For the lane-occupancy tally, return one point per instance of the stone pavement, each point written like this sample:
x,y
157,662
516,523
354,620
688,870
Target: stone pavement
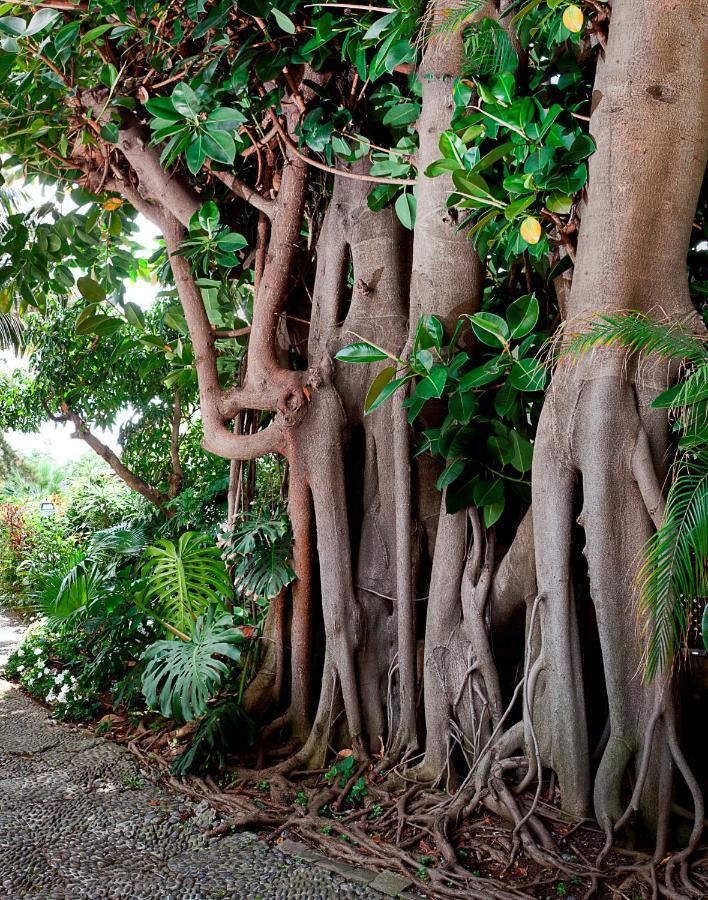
x,y
78,819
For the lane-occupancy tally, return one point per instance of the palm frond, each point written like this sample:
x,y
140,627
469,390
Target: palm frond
x,y
641,334
127,540
675,570
71,588
11,332
488,50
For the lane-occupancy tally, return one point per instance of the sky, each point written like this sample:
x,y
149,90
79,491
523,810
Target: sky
x,y
55,440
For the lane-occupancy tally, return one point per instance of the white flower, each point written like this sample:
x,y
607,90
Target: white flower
x,y
150,622
59,678
20,669
37,651
46,671
50,698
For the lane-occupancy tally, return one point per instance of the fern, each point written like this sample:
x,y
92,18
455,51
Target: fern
x,y
182,579
180,677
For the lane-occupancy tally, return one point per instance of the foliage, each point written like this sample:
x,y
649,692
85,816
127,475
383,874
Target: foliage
x,y
674,573
224,728
491,399
31,545
183,579
180,677
258,552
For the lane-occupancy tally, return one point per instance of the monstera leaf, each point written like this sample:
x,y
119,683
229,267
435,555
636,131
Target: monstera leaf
x,y
180,677
182,579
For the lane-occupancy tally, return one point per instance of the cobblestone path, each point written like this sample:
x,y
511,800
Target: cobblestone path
x,y
77,820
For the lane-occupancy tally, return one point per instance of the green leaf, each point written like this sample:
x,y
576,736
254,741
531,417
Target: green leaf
x,y
401,114
66,36
41,19
429,333
185,101
180,677
195,154
360,352
224,119
13,26
135,315
380,26
441,167
101,325
377,385
163,108
522,452
208,216
405,209
184,578
109,132
95,33
450,473
490,329
219,146
384,393
559,203
90,289
528,375
285,23
583,146
482,375
522,315
493,156
433,384
503,87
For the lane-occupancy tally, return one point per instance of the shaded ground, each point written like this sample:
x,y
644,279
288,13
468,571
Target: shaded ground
x,y
79,819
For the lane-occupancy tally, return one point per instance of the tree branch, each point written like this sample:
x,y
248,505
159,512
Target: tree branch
x,y
177,476
156,184
135,482
244,192
217,437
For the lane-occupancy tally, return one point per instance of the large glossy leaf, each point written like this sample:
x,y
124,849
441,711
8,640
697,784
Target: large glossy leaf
x,y
183,579
180,677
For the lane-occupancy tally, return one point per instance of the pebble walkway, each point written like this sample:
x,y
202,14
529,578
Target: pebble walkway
x,y
79,820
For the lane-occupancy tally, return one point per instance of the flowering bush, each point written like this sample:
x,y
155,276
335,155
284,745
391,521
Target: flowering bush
x,y
74,671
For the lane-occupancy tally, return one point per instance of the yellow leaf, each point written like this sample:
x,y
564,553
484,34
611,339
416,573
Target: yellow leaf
x,y
112,204
531,230
573,18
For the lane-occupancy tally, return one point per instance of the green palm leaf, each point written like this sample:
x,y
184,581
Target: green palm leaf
x,y
641,334
182,579
182,676
675,571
